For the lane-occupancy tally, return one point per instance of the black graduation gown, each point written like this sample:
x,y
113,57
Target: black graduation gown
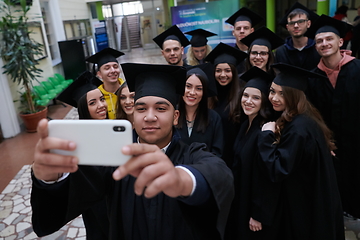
x,y
241,67
185,64
136,217
212,137
230,128
308,58
250,188
96,221
245,150
302,164
340,107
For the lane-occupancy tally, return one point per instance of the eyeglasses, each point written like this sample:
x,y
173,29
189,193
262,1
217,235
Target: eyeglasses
x,y
299,22
261,54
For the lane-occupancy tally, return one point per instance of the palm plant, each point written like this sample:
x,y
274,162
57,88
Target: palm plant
x,y
19,50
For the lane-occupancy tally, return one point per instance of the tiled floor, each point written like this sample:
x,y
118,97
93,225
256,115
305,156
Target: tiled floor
x,y
16,155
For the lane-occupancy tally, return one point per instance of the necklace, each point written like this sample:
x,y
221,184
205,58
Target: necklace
x,y
190,124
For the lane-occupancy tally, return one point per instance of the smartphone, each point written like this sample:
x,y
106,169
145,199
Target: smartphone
x,y
98,142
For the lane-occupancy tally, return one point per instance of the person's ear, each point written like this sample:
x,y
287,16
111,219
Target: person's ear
x,y
308,23
252,30
341,42
176,117
98,74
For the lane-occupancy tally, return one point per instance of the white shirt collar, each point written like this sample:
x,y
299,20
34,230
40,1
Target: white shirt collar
x,y
163,149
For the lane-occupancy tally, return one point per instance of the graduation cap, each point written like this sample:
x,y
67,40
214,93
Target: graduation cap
x,y
298,6
257,78
328,24
165,81
206,70
292,76
104,56
244,14
199,37
224,53
84,83
173,33
264,37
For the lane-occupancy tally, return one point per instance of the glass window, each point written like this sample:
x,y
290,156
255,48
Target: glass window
x,y
77,29
49,29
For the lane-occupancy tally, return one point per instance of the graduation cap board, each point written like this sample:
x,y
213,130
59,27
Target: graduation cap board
x,y
104,56
300,8
295,77
84,83
328,24
199,37
165,81
257,78
206,70
244,14
173,33
224,53
263,37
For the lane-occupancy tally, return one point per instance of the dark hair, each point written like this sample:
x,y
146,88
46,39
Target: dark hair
x,y
342,10
297,12
202,116
265,109
83,108
296,103
120,113
270,61
233,96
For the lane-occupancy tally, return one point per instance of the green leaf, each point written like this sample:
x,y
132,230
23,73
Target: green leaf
x,y
18,50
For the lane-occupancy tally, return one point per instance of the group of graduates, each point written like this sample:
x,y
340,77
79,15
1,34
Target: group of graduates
x,y
229,143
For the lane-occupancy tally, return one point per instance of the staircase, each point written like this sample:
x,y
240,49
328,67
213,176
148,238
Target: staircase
x,y
134,32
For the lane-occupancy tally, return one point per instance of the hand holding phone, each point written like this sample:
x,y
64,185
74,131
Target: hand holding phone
x,y
98,142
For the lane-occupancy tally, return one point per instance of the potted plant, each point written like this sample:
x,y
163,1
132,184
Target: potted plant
x,y
19,50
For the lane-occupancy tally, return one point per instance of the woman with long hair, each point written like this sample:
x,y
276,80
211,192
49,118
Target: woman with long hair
x,y
296,154
261,43
256,107
125,103
197,123
225,59
92,105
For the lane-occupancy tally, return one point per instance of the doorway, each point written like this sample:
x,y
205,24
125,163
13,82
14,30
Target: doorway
x,y
147,30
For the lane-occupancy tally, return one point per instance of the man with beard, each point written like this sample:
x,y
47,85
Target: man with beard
x,y
337,99
298,50
172,43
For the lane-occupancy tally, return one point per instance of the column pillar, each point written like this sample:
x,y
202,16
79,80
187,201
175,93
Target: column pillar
x,y
270,15
99,12
8,116
322,7
332,7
